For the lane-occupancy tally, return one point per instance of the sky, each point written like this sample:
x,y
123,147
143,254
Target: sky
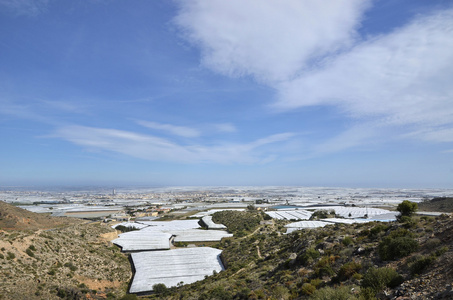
x,y
353,93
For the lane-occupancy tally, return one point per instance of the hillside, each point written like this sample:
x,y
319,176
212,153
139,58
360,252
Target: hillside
x,y
411,259
72,261
442,204
16,218
362,261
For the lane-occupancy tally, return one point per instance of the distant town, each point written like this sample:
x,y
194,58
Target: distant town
x,y
122,204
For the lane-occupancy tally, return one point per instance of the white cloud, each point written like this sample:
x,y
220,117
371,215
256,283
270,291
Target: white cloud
x,y
172,129
439,135
157,149
310,52
270,40
405,75
400,79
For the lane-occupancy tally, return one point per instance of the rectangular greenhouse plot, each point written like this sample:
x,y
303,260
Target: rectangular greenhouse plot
x,y
345,221
141,240
307,224
299,214
173,267
207,220
170,225
355,212
199,235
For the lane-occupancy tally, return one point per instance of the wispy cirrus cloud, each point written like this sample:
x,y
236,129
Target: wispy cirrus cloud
x,y
25,7
189,132
159,149
172,129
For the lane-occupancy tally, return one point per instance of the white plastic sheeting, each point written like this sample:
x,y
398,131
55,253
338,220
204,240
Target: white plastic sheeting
x,y
355,212
140,240
173,267
155,235
200,235
207,220
350,212
345,221
170,225
304,225
299,214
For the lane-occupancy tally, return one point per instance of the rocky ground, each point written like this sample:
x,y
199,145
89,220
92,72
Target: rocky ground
x,y
73,261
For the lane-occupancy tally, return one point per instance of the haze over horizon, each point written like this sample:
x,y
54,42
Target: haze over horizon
x,y
227,93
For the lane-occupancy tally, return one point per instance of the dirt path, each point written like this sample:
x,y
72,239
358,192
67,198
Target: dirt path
x,y
258,251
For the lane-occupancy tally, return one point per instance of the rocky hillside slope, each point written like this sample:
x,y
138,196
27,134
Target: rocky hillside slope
x,y
73,260
400,260
15,218
442,204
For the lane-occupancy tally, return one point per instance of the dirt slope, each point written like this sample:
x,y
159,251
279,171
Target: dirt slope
x,y
16,218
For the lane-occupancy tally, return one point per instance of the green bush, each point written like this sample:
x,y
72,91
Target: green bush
x,y
29,252
322,214
393,248
377,229
123,228
432,243
347,270
309,255
379,278
160,289
408,222
323,267
418,266
441,251
347,241
10,255
308,289
278,292
70,266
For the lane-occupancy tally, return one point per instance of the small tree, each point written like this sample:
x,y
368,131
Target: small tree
x,y
407,208
160,289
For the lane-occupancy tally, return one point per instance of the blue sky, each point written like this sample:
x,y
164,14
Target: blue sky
x,y
349,93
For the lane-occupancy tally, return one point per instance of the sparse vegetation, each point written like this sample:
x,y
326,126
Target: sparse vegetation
x,y
397,244
238,222
335,262
123,228
379,278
